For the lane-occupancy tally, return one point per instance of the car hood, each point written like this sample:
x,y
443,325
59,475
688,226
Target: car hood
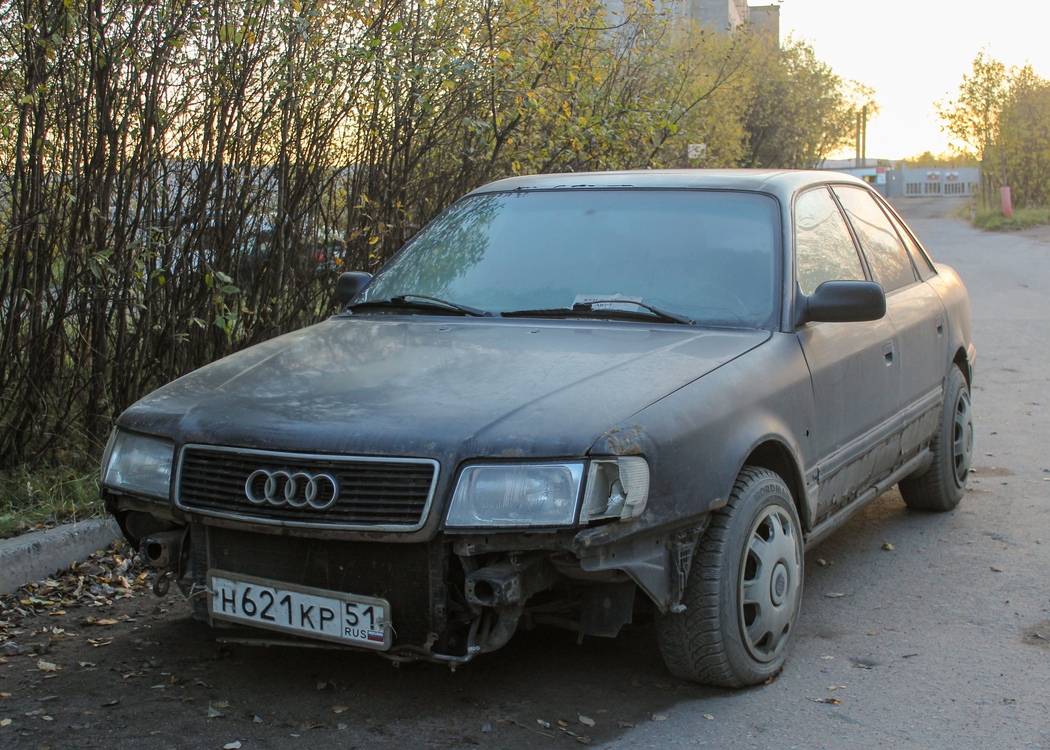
x,y
435,387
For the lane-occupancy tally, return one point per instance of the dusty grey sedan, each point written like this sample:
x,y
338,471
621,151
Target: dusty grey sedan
x,y
571,400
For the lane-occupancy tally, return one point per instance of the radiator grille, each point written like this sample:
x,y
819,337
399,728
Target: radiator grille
x,y
373,494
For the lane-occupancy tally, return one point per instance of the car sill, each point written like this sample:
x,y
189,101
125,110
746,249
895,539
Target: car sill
x,y
826,527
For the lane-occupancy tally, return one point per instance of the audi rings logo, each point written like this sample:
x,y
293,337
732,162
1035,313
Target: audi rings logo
x,y
294,489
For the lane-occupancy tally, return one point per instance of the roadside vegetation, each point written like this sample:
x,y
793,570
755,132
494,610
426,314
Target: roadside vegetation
x,y
179,181
992,219
45,496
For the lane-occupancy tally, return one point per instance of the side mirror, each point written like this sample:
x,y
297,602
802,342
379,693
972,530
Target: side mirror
x,y
844,302
349,284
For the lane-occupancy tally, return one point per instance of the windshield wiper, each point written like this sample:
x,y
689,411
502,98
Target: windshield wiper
x,y
425,302
649,311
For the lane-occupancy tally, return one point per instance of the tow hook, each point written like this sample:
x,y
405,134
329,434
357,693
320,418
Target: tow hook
x,y
162,582
163,551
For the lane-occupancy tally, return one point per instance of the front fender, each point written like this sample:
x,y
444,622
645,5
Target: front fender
x,y
697,439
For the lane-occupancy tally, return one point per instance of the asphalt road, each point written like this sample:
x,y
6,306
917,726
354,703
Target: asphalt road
x,y
917,631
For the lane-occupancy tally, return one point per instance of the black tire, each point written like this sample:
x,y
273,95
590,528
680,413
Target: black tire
x,y
744,589
941,486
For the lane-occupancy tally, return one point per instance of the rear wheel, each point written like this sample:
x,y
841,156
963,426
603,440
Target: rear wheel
x,y
940,487
744,589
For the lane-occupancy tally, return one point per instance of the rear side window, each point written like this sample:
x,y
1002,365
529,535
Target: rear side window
x,y
824,249
889,260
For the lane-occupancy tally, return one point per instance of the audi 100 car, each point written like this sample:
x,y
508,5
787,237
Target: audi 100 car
x,y
579,399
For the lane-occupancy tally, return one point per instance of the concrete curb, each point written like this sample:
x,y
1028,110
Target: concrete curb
x,y
39,554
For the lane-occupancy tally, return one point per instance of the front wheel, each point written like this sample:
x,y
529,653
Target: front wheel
x,y
940,487
744,590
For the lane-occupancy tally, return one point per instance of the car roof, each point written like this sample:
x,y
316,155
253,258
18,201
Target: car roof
x,y
780,182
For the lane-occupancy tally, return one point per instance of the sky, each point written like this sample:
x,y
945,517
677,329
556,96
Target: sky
x,y
914,53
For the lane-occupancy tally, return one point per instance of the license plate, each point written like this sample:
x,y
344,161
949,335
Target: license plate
x,y
328,615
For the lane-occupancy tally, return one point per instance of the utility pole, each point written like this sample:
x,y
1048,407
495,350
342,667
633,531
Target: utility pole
x,y
862,138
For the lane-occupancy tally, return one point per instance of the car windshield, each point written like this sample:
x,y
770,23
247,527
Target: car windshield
x,y
708,256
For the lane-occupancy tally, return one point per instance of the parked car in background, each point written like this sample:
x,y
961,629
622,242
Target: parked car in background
x,y
576,399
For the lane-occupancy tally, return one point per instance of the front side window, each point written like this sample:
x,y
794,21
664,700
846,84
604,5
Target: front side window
x,y
890,264
711,256
824,249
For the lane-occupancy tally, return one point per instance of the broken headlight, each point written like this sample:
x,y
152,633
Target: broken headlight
x,y
616,488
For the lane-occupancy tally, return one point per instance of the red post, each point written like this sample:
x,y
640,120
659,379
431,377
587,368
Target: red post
x,y
1008,209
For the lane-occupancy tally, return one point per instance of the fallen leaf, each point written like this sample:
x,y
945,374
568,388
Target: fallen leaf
x,y
995,569
544,724
831,701
5,722
888,546
46,666
822,562
587,721
8,695
214,713
659,717
709,717
236,745
873,632
104,622
835,594
625,725
340,709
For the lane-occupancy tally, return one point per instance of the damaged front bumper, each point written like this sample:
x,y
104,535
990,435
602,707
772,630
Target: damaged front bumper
x,y
446,599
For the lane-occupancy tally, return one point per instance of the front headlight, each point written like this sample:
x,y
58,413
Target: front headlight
x,y
138,463
495,495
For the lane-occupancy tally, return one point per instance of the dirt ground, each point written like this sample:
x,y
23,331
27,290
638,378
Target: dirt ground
x,y
139,673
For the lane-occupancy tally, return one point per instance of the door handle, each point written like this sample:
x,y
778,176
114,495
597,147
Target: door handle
x,y
887,352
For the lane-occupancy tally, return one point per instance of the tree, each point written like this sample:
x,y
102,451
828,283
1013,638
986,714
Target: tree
x,y
1024,134
972,120
798,111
